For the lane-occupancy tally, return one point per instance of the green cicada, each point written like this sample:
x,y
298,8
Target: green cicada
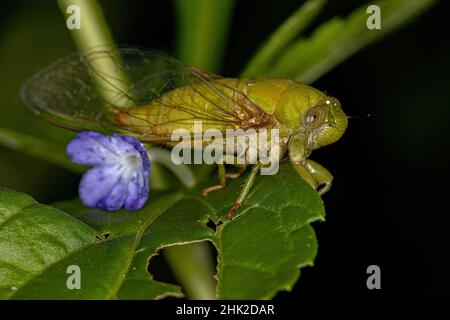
x,y
148,95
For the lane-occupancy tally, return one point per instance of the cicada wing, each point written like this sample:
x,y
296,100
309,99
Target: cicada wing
x,y
81,91
87,91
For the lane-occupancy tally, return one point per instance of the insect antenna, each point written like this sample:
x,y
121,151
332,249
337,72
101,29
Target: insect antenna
x,y
360,117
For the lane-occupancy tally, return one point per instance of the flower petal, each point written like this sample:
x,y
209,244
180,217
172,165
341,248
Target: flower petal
x,y
97,184
137,192
138,186
90,148
120,174
115,199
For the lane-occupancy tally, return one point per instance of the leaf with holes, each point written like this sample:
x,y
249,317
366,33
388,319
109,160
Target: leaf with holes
x,y
38,243
259,253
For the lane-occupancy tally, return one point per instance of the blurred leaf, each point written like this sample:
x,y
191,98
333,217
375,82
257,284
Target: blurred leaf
x,y
337,39
285,33
37,147
202,31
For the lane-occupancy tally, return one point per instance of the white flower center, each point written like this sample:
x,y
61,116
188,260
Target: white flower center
x,y
133,161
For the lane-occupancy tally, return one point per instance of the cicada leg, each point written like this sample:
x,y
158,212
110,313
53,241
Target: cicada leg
x,y
235,175
315,175
223,175
245,190
234,161
222,181
322,176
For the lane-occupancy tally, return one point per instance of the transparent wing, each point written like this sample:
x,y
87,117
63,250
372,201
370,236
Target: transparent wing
x,y
87,92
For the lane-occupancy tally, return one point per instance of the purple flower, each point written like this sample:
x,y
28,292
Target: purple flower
x,y
121,168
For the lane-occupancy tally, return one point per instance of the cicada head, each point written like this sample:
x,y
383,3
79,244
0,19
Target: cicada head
x,y
324,123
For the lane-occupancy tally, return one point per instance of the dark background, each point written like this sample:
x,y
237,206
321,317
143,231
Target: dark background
x,y
388,204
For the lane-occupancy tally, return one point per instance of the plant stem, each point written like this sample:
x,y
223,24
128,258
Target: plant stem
x,y
193,267
93,35
181,171
335,40
281,37
37,147
202,28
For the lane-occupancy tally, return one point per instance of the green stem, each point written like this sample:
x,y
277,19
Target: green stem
x,y
37,147
181,171
94,34
335,40
193,267
281,37
202,28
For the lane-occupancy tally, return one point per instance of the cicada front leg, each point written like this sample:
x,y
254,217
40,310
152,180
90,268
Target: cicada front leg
x,y
315,175
322,176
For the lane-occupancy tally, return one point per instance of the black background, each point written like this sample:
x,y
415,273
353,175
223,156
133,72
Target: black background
x,y
388,204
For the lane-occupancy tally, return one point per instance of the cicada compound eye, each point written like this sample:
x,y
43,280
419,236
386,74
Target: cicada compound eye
x,y
314,117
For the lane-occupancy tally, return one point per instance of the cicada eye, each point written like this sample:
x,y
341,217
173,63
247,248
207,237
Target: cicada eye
x,y
314,117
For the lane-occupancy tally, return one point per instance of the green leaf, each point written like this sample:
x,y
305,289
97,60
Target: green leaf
x,y
33,238
38,243
278,40
259,253
337,39
202,30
